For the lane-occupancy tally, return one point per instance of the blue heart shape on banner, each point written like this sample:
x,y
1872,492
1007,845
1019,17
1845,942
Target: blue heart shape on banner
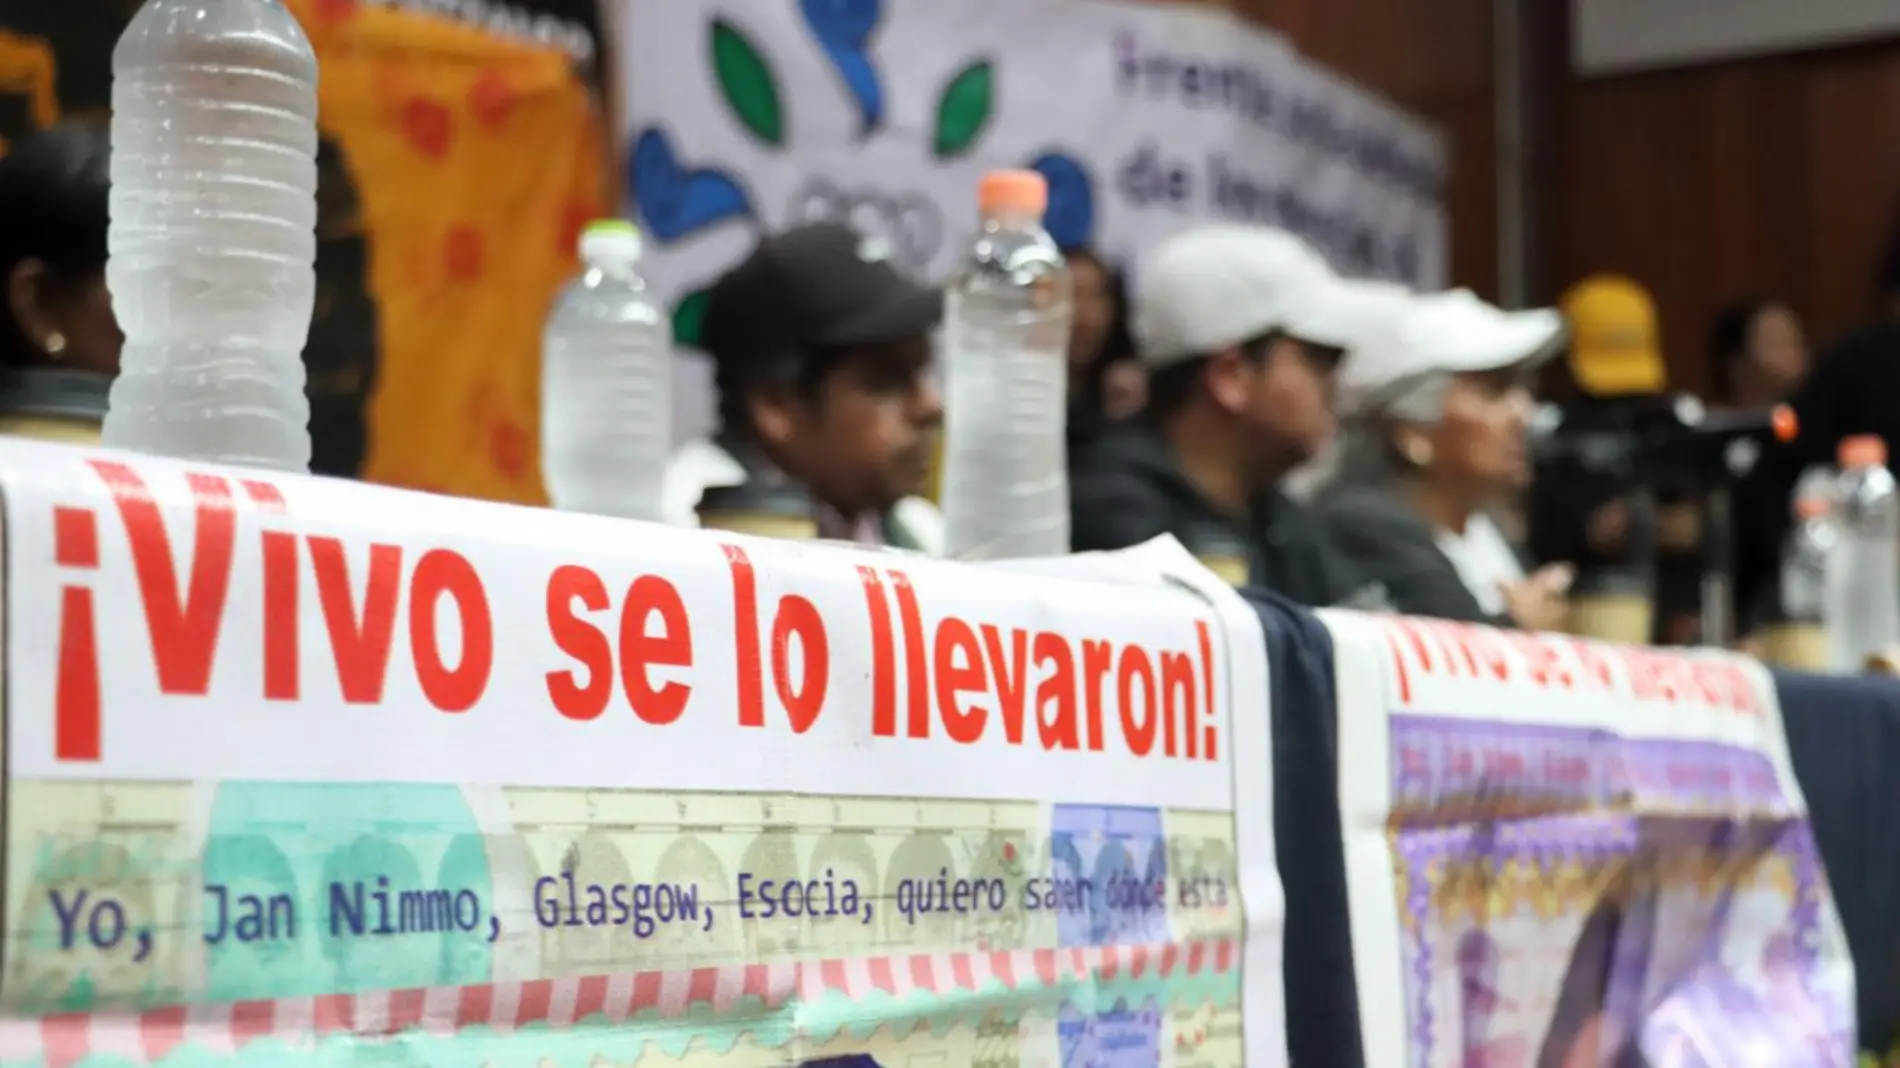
x,y
847,22
843,29
1070,217
675,201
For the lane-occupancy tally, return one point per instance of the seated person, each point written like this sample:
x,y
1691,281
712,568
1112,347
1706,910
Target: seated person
x,y
1849,390
1240,329
1760,357
1438,402
59,341
1106,382
821,353
1646,546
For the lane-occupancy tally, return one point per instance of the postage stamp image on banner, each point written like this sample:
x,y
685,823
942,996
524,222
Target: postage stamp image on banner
x,y
1069,928
1569,896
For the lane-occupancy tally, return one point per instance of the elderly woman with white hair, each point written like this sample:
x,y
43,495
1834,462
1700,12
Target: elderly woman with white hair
x,y
1437,396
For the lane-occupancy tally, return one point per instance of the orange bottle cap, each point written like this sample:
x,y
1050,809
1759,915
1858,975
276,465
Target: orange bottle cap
x,y
1786,426
1024,191
1863,450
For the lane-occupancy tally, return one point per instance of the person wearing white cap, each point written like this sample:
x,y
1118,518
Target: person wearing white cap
x,y
1369,304
1438,404
1241,329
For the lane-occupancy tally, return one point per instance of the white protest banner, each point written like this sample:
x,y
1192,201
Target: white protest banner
x,y
749,116
1565,853
300,767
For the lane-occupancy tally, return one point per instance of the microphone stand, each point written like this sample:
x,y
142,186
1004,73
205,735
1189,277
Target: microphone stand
x,y
1718,568
1638,444
1614,599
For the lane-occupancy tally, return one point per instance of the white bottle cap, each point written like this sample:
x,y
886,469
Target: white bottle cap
x,y
611,240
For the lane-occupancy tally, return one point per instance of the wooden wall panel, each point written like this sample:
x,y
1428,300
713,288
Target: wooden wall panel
x,y
1434,58
1852,115
1775,177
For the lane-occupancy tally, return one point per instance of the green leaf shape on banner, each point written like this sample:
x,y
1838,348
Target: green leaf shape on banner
x,y
964,108
747,83
689,316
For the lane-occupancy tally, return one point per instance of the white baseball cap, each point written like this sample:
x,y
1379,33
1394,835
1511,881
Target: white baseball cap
x,y
1443,333
1207,288
1366,308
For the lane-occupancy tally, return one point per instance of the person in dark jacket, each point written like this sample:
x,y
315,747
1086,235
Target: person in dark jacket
x,y
1106,382
1241,329
1850,390
59,341
1439,403
1760,356
828,410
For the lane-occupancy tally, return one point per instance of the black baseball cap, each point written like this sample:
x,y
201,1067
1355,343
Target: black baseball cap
x,y
815,287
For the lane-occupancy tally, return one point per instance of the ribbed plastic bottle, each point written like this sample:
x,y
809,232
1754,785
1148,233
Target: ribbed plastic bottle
x,y
213,234
606,387
1804,557
1863,569
1006,334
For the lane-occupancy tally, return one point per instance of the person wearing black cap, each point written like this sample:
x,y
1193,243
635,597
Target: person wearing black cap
x,y
828,412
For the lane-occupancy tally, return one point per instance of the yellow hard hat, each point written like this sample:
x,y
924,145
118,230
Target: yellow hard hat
x,y
1614,347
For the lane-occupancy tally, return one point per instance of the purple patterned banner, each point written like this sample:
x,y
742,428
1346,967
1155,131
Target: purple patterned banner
x,y
1574,898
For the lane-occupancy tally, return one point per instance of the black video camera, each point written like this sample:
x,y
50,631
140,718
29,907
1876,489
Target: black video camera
x,y
1655,440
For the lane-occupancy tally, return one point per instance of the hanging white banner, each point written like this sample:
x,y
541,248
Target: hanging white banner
x,y
1561,852
748,116
308,771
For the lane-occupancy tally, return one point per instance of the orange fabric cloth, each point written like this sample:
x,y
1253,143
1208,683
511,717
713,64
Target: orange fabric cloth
x,y
477,160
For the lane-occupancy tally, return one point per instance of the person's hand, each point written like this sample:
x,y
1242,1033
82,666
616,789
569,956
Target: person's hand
x,y
1607,528
1124,389
1541,601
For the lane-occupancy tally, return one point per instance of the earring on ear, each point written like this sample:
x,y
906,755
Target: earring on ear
x,y
1419,452
55,345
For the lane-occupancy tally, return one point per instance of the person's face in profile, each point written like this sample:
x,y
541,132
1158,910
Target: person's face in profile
x,y
1478,444
1777,354
865,438
1289,403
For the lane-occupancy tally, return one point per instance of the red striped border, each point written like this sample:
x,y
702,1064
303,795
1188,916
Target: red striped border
x,y
64,1040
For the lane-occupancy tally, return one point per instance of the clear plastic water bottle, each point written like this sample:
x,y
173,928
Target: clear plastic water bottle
x,y
1006,337
1863,569
213,234
1810,544
606,393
